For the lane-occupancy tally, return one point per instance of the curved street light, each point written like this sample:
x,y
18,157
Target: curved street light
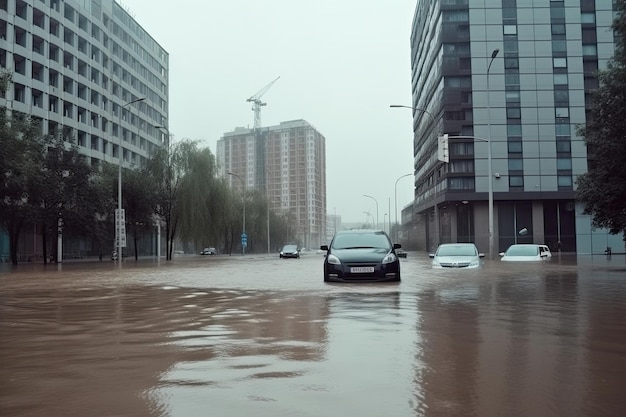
x,y
243,184
396,202
491,254
119,220
369,196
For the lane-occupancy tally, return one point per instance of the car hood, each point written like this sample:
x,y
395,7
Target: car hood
x,y
360,255
521,258
455,259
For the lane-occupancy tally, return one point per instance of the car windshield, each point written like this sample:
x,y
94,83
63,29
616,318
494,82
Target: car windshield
x,y
457,250
522,250
361,240
290,248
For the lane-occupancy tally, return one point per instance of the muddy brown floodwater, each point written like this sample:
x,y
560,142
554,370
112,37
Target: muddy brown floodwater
x,y
263,336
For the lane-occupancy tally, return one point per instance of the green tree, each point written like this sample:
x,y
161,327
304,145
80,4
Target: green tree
x,y
21,154
168,168
199,200
139,201
62,190
602,190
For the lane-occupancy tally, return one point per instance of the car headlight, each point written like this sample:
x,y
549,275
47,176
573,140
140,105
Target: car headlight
x,y
332,259
436,264
474,263
391,257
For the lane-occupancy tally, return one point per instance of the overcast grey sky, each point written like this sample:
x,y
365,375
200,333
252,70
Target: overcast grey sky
x,y
341,64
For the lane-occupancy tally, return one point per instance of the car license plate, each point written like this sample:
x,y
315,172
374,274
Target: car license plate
x,y
362,269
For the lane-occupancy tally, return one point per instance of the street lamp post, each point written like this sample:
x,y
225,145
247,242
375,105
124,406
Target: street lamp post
x,y
493,56
119,219
157,219
243,184
369,196
396,201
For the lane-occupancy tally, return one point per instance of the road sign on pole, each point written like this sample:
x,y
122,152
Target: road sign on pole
x,y
442,148
244,240
120,228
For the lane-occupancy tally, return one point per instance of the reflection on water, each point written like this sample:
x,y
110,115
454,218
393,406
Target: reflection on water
x,y
266,337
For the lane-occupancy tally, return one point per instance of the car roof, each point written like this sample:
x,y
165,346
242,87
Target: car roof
x,y
358,231
457,244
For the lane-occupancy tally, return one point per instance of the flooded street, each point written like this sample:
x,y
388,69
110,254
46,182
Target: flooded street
x,y
263,336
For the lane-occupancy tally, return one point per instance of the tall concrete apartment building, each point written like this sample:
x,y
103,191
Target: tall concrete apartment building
x,y
524,101
88,70
288,163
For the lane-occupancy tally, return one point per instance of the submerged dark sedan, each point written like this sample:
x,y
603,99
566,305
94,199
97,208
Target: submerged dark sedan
x,y
361,255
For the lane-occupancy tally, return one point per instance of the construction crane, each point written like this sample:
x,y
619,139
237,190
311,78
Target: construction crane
x,y
257,103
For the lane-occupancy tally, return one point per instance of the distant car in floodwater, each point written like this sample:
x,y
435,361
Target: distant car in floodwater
x,y
208,251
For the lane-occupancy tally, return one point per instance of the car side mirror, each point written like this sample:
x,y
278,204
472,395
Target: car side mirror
x,y
501,254
482,255
431,255
324,247
397,246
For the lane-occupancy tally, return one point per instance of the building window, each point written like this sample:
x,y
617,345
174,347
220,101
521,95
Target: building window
x,y
465,165
509,29
514,130
560,79
466,97
461,148
559,62
561,97
563,146
516,164
564,164
564,180
558,29
588,18
513,113
562,129
511,63
515,146
512,96
455,15
590,50
458,82
456,49
461,183
559,46
511,78
561,112
516,181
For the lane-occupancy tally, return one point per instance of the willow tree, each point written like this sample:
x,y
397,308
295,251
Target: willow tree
x,y
199,202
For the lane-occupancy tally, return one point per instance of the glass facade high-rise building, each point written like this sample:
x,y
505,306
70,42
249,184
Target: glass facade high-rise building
x,y
77,66
287,163
88,71
525,104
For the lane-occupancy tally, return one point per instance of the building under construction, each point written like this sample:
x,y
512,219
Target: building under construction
x,y
288,163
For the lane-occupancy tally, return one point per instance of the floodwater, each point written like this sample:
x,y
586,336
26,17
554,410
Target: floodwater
x,y
263,336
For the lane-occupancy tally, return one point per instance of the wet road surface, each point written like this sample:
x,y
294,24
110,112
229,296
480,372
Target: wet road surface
x,y
263,336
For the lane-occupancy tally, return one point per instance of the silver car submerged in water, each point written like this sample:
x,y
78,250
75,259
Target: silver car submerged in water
x,y
457,255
